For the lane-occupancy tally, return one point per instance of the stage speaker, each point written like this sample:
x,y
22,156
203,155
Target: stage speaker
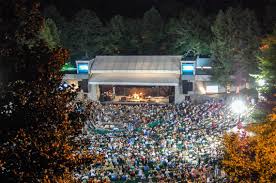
x,y
83,85
171,99
190,86
185,87
101,99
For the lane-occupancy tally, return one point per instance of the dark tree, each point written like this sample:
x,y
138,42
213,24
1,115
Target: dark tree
x,y
122,36
115,36
86,35
63,26
52,13
267,66
50,34
152,32
189,32
38,117
235,45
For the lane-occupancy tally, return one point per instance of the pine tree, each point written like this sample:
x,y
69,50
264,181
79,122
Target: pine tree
x,y
190,31
267,66
152,32
86,35
115,36
50,34
234,46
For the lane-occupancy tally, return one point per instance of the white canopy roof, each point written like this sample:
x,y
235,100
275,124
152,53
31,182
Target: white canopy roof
x,y
137,64
135,79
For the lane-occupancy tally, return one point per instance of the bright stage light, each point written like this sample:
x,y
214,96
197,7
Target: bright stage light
x,y
188,68
65,85
238,106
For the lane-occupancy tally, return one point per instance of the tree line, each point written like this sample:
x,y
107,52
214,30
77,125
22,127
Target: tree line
x,y
231,37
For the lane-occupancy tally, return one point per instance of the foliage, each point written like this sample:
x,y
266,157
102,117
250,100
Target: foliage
x,y
121,37
19,28
152,32
115,37
267,66
252,158
64,28
50,34
190,32
51,12
38,116
259,114
234,47
135,36
86,36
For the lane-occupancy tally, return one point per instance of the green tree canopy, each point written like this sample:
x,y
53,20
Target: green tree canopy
x,y
122,36
19,30
152,32
50,34
52,12
234,46
267,66
63,26
86,34
115,36
190,31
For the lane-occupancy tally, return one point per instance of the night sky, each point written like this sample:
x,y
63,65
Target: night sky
x,y
135,8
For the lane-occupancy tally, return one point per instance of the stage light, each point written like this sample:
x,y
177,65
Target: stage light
x,y
238,107
65,85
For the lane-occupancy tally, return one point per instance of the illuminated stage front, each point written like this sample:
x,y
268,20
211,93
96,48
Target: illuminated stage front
x,y
136,94
135,87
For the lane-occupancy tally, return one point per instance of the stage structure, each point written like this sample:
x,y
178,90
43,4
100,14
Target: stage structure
x,y
146,79
134,78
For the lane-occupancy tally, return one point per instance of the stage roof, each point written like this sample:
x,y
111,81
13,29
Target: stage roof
x,y
135,79
137,64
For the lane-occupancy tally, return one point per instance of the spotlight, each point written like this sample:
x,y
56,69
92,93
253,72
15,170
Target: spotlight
x,y
238,107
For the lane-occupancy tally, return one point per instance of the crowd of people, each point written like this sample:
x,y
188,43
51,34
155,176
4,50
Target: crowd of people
x,y
156,143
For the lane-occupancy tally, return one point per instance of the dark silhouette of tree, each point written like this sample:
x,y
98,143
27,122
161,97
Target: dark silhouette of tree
x,y
38,116
152,32
50,34
116,36
122,36
86,35
190,31
235,45
267,66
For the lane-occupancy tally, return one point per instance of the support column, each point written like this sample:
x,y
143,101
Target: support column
x,y
158,91
113,92
93,92
176,94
